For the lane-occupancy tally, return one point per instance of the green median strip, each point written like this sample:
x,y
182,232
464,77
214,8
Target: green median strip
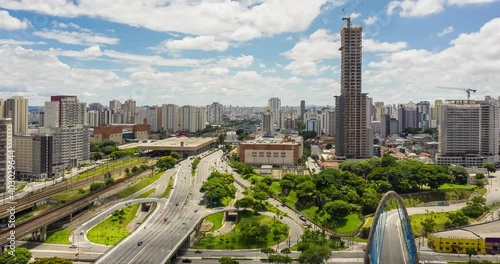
x,y
146,194
114,228
141,185
166,193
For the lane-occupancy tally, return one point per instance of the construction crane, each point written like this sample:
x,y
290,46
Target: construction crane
x,y
467,90
348,17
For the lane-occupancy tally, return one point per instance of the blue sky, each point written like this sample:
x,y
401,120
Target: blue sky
x,y
243,52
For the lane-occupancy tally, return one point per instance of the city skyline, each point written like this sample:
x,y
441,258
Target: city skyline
x,y
410,47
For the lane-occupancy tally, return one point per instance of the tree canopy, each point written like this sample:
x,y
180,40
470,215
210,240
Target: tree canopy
x,y
18,256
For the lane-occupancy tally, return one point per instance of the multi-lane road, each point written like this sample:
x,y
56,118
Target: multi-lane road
x,y
184,209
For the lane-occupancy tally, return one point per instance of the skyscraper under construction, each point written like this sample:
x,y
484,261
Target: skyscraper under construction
x,y
352,137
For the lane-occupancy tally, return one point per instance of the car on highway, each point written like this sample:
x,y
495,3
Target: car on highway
x,y
176,204
198,251
187,260
81,233
165,219
196,211
139,243
72,246
303,218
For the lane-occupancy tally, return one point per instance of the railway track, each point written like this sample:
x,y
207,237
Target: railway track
x,y
49,217
37,197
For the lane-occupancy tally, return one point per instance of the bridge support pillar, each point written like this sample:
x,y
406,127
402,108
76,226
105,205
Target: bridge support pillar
x,y
34,235
39,234
43,234
70,217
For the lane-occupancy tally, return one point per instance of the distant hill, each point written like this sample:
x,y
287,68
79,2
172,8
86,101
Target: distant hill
x,y
35,108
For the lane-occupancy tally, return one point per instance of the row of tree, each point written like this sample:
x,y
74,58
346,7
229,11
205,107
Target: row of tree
x,y
109,149
194,165
23,256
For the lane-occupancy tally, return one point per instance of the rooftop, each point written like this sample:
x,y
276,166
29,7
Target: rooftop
x,y
178,143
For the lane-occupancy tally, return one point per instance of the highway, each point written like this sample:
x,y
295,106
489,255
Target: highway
x,y
159,237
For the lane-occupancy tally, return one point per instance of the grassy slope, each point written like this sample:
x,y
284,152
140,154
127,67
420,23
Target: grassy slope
x,y
216,220
59,237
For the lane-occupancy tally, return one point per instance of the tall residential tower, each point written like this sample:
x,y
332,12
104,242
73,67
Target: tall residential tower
x,y
352,138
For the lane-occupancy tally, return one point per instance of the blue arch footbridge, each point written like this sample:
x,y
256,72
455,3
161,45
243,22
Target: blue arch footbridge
x,y
391,237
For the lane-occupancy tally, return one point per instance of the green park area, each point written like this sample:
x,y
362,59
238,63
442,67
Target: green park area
x,y
349,224
338,198
439,218
216,220
59,237
437,221
252,230
114,228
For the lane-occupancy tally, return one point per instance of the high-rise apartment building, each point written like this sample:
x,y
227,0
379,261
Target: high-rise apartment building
x,y
424,114
215,113
129,108
170,118
71,146
379,110
33,157
407,116
490,129
96,107
267,120
115,105
66,122
2,108
352,139
302,109
459,134
94,118
275,105
192,118
5,148
64,111
155,117
16,108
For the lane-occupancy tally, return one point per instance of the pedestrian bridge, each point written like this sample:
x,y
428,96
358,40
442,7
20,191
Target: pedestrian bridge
x,y
391,237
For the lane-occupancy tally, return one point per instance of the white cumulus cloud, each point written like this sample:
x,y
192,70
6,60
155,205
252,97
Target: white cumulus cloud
x,y
8,22
445,31
75,38
205,43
